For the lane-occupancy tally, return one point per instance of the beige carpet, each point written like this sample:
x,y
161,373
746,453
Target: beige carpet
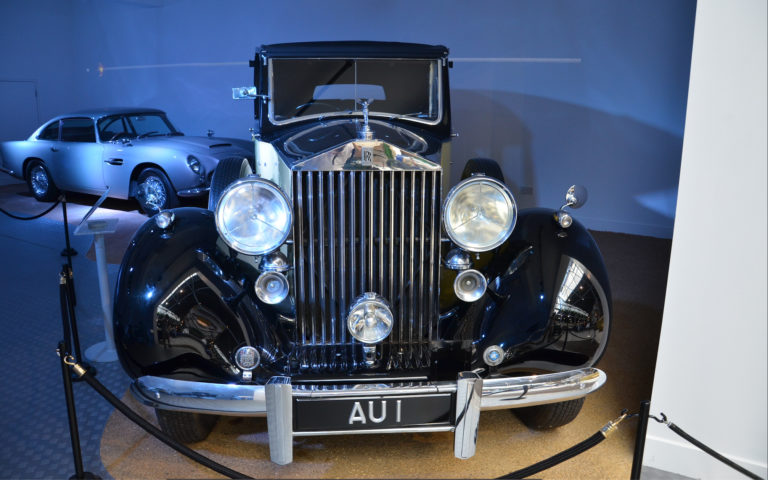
x,y
638,269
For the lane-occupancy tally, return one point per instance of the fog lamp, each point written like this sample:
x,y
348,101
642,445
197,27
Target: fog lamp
x,y
469,285
271,287
370,318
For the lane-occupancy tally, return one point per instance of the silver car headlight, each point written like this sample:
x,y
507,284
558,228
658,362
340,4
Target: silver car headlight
x,y
194,164
253,216
480,213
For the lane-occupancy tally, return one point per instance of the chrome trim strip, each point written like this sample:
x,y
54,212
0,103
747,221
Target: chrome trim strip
x,y
311,262
189,192
5,170
321,249
249,400
438,428
271,105
332,248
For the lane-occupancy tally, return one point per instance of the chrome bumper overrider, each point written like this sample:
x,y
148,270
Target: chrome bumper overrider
x,y
275,400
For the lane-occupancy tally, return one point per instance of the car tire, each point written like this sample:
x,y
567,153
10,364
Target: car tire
x,y
553,415
227,171
486,166
185,427
40,183
154,192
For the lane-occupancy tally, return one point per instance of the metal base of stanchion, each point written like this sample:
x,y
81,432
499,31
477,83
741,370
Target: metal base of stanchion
x,y
68,252
86,476
101,352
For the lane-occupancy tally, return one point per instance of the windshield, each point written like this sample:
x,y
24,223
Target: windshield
x,y
402,88
136,125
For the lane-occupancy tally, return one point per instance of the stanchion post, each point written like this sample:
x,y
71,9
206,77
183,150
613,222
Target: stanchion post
x,y
74,434
642,428
68,252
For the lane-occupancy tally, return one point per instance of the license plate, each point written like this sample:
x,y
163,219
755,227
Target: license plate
x,y
371,413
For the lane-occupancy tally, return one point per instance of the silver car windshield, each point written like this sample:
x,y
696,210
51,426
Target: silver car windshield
x,y
305,88
135,125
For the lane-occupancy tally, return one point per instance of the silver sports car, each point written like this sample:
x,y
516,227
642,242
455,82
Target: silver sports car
x,y
135,152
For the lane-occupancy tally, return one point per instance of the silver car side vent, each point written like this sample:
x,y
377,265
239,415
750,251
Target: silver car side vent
x,y
219,145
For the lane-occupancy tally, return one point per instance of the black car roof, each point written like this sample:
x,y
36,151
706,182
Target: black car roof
x,y
365,49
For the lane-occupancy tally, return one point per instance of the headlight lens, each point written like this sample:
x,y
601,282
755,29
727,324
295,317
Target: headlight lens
x,y
480,213
193,163
253,216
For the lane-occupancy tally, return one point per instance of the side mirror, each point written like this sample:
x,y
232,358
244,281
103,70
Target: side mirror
x,y
576,196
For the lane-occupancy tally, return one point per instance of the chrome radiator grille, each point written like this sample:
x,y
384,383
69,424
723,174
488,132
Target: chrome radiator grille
x,y
365,231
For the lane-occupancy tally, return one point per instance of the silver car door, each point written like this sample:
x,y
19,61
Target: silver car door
x,y
115,135
79,163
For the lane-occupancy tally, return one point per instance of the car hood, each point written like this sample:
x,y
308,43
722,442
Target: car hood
x,y
212,146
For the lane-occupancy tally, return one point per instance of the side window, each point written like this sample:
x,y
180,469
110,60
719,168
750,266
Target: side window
x,y
77,130
51,132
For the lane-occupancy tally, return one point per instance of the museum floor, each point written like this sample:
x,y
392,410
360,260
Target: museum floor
x,y
33,427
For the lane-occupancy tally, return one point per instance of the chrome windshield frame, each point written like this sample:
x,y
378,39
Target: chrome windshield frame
x,y
436,77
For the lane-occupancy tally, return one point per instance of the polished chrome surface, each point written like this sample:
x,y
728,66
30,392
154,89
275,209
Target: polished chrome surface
x,y
513,392
274,262
564,219
370,320
279,419
249,400
469,285
493,355
247,358
365,231
378,155
437,81
469,392
164,219
576,196
253,216
374,431
39,179
458,259
271,287
479,213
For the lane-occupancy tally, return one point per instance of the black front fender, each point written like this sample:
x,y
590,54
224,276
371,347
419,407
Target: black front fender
x,y
548,303
181,304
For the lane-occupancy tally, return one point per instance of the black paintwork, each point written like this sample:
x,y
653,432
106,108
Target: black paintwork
x,y
524,275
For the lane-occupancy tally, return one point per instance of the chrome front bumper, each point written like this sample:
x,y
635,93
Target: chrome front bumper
x,y
275,400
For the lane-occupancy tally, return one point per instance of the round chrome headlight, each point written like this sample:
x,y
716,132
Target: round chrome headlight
x,y
370,318
480,213
253,216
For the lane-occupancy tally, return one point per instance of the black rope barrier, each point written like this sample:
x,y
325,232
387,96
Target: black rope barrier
x,y
705,448
151,429
569,453
34,217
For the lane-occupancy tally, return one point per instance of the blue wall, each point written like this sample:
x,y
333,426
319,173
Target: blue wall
x,y
608,113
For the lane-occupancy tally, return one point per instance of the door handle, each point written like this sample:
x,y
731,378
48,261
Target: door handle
x,y
114,161
54,149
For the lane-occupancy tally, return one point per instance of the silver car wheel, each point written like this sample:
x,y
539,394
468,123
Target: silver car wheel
x,y
39,180
153,191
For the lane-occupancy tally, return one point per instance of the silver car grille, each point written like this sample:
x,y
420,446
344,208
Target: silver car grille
x,y
365,231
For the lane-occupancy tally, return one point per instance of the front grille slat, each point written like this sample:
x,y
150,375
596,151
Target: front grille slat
x,y
357,232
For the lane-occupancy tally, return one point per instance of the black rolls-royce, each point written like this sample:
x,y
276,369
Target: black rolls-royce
x,y
340,284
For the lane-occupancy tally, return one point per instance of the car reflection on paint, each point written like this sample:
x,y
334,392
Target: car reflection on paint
x,y
135,152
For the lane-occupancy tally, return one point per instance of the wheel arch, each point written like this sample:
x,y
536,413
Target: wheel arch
x,y
132,182
27,161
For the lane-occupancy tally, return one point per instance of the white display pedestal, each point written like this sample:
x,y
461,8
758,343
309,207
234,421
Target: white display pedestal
x,y
102,351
